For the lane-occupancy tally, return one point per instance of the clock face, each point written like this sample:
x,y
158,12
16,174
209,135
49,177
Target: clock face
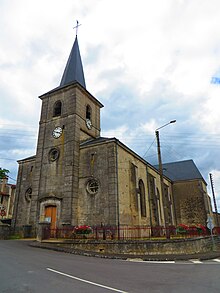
x,y
88,123
57,132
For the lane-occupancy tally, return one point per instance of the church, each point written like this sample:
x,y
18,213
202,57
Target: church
x,y
78,177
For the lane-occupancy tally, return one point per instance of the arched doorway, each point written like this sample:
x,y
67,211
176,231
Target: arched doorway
x,y
50,209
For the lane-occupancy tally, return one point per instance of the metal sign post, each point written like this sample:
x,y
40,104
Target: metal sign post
x,y
210,225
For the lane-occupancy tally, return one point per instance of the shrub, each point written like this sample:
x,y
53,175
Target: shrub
x,y
182,229
201,229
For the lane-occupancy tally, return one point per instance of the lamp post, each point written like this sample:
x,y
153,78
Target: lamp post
x,y
161,179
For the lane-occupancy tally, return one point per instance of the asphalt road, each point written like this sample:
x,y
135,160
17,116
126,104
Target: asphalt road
x,y
28,269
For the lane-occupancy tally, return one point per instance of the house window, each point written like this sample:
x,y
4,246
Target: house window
x,y
159,205
142,198
57,109
28,194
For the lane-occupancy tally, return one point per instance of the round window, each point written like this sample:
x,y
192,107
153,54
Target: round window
x,y
92,186
54,154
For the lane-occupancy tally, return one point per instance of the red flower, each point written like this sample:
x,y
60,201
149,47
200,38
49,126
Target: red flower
x,y
185,227
84,229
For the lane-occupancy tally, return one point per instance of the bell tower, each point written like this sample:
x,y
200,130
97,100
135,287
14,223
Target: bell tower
x,y
69,115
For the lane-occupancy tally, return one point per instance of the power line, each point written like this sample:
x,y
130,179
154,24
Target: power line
x,y
149,148
12,178
175,138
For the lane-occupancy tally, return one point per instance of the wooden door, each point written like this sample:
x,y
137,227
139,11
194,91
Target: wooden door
x,y
51,215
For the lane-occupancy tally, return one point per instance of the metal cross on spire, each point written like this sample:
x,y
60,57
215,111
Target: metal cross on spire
x,y
76,27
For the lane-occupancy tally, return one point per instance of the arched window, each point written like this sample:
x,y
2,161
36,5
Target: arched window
x,y
142,198
88,112
159,205
57,109
28,194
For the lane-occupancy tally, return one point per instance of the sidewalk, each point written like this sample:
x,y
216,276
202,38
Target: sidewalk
x,y
159,257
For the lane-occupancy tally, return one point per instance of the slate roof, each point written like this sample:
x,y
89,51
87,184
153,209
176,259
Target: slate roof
x,y
28,158
74,69
95,141
182,170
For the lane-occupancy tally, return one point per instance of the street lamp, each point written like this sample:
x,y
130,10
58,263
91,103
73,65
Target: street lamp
x,y
161,178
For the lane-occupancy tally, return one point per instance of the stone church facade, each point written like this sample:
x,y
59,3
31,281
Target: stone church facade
x,y
78,177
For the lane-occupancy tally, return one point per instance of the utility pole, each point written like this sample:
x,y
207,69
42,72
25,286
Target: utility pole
x,y
166,221
162,186
214,201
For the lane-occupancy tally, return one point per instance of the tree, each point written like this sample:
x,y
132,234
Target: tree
x,y
3,173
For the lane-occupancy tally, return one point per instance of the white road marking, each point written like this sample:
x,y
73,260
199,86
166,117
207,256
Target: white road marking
x,y
135,259
195,261
158,261
149,261
178,262
85,281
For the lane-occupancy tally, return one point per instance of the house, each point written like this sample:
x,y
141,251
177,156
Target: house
x,y
7,198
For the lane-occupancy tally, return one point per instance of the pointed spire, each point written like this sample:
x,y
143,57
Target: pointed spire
x,y
74,69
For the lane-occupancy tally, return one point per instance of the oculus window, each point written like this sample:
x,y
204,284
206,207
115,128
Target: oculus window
x,y
54,154
92,186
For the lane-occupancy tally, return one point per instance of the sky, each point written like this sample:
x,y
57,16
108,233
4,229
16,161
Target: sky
x,y
148,62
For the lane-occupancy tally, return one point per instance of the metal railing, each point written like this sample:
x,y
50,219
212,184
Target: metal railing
x,y
106,232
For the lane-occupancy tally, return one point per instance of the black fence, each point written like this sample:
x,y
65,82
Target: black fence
x,y
104,232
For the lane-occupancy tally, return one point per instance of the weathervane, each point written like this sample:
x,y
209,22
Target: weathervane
x,y
76,27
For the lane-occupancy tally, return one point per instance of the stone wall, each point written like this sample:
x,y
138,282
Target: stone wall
x,y
191,202
98,162
23,196
131,170
216,219
182,246
4,231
